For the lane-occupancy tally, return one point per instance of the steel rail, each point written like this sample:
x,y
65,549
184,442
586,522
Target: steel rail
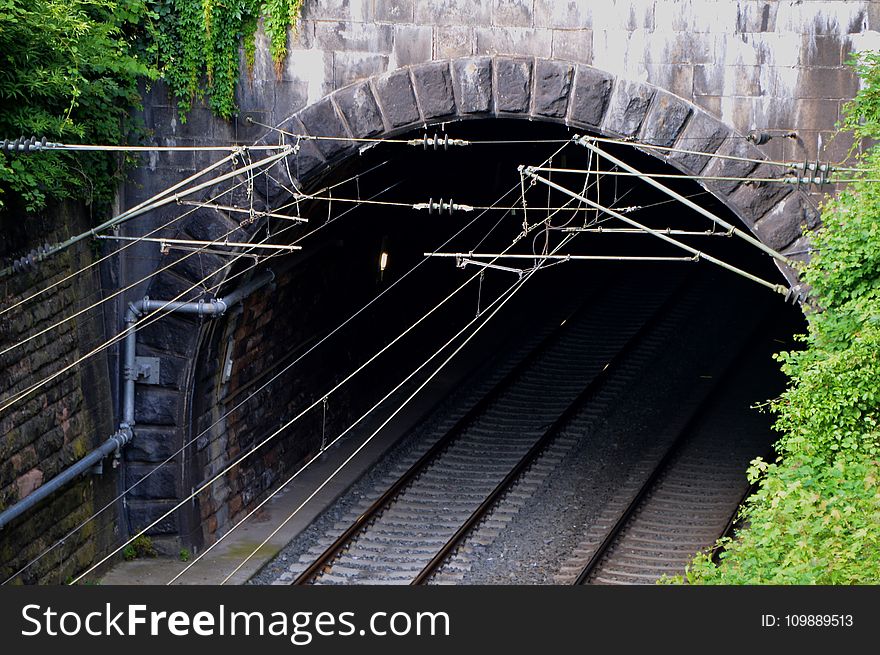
x,y
674,449
325,559
552,431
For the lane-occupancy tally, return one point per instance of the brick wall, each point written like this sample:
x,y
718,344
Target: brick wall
x,y
62,421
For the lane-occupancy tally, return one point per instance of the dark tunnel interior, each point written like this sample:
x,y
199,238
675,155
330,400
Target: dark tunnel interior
x,y
725,323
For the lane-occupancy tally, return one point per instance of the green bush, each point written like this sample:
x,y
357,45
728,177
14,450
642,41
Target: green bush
x,y
816,516
69,71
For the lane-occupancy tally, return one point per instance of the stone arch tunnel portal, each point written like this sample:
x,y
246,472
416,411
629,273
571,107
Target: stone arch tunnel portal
x,y
693,323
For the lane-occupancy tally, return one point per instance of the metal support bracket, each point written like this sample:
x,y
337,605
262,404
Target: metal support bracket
x,y
147,370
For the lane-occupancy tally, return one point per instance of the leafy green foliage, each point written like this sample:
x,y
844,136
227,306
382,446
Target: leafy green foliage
x,y
811,523
140,547
862,116
198,40
816,516
68,71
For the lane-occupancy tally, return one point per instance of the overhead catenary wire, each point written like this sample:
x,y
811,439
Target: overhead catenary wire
x,y
119,250
96,147
566,258
499,304
146,237
369,411
196,242
299,415
715,155
259,445
327,336
691,205
161,202
623,142
13,398
353,316
171,457
323,449
781,289
685,176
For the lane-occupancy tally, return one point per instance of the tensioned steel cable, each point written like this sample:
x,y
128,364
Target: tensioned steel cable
x,y
463,142
504,298
169,223
263,442
9,401
543,264
341,435
262,387
111,254
277,375
266,440
193,251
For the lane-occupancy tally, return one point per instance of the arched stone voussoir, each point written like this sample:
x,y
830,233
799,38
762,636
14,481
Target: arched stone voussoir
x,y
472,85
534,88
590,96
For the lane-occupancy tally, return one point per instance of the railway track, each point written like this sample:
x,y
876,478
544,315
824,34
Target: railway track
x,y
681,497
467,478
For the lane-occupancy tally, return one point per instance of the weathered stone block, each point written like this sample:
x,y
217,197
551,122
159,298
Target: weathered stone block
x,y
360,110
628,107
413,44
473,83
783,224
573,45
354,36
208,224
730,168
197,267
552,86
397,11
304,164
591,93
142,513
703,133
513,83
290,97
433,86
453,12
350,67
398,100
151,444
519,41
321,119
567,15
168,286
156,406
152,483
454,41
512,13
754,199
665,120
361,10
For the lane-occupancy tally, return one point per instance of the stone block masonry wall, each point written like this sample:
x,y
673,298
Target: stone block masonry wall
x,y
62,421
749,64
273,328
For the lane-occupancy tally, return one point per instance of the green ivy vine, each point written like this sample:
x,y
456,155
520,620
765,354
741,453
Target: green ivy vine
x,y
200,41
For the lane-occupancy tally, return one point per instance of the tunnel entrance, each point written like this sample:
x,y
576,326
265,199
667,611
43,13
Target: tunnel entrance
x,y
685,335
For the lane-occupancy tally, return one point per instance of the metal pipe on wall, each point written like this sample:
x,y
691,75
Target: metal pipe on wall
x,y
213,308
